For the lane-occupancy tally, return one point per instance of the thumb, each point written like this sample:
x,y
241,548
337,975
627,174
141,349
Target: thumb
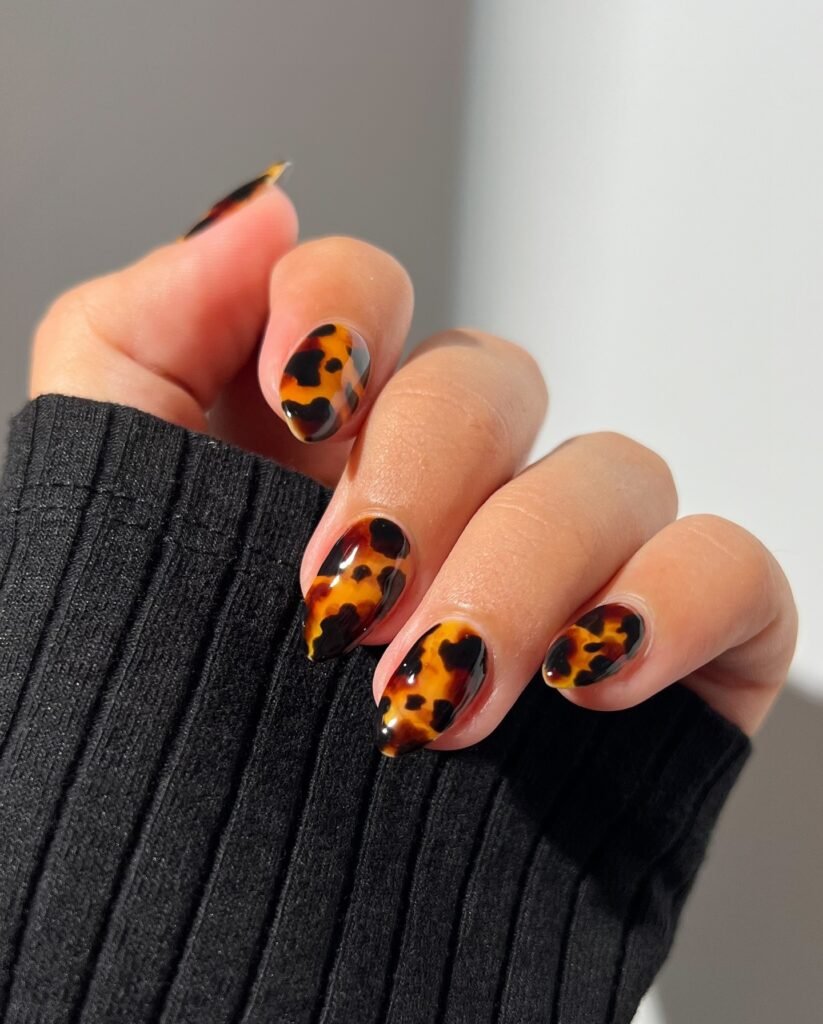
x,y
166,334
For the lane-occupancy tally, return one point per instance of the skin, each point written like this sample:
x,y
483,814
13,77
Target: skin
x,y
439,446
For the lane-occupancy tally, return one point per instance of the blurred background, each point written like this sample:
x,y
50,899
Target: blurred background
x,y
629,188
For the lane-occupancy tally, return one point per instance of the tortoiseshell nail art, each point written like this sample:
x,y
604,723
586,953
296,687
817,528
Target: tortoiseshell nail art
x,y
436,681
238,197
324,381
359,582
596,646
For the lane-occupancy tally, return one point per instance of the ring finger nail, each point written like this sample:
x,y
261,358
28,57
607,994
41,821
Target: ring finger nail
x,y
433,685
358,583
594,647
324,381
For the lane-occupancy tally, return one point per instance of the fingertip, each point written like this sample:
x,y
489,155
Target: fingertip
x,y
339,312
268,224
185,317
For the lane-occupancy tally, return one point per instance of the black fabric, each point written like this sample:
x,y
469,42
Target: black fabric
x,y
195,825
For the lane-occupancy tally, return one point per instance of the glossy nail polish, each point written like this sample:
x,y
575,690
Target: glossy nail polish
x,y
594,647
431,688
228,204
324,381
356,586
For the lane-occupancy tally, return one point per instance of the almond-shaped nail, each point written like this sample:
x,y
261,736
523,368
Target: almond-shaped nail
x,y
228,204
594,647
357,585
431,688
324,381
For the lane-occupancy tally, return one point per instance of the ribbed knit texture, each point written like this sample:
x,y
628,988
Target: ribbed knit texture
x,y
195,825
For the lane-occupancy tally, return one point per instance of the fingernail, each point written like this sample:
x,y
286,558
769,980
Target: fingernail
x,y
228,204
432,687
324,381
356,586
594,647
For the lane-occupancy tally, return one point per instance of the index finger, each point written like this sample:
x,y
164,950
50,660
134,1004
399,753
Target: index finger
x,y
339,313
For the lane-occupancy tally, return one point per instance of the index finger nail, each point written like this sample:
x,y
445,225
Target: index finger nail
x,y
358,583
324,381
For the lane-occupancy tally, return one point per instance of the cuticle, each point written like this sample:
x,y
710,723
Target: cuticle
x,y
376,513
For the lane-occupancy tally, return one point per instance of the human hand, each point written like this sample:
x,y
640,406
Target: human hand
x,y
474,570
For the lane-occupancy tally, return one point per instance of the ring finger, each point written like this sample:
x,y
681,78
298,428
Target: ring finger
x,y
535,551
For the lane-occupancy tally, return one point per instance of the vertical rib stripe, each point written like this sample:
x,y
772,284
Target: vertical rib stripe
x,y
90,1004
17,911
587,879
626,991
204,826
279,638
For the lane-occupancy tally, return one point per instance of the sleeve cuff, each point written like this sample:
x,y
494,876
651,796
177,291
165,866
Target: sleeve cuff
x,y
200,822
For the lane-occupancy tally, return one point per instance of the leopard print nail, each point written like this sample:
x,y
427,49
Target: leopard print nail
x,y
228,204
358,583
596,646
434,684
324,381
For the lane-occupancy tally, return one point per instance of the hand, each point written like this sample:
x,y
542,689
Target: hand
x,y
474,570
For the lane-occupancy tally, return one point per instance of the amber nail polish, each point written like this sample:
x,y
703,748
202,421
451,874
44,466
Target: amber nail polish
x,y
594,647
357,585
228,204
431,688
324,381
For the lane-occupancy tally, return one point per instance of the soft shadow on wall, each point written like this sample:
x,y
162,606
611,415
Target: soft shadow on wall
x,y
122,123
748,950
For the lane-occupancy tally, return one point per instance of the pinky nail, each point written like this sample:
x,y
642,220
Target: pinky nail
x,y
431,688
228,204
595,647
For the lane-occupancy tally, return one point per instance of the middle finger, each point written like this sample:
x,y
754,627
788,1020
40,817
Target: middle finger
x,y
537,549
449,428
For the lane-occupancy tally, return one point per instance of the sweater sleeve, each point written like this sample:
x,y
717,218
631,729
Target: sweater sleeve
x,y
195,825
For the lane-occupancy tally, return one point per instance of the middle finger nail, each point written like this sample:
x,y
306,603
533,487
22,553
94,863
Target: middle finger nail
x,y
358,583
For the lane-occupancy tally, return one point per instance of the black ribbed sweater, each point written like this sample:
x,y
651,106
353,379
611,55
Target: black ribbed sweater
x,y
195,825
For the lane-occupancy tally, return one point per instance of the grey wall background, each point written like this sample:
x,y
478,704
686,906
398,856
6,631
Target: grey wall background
x,y
630,188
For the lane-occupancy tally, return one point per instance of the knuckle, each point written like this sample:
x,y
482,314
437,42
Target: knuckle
x,y
513,354
510,352
516,360
627,451
497,384
75,312
63,310
732,537
660,470
356,255
419,400
71,345
541,519
759,575
64,319
756,567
